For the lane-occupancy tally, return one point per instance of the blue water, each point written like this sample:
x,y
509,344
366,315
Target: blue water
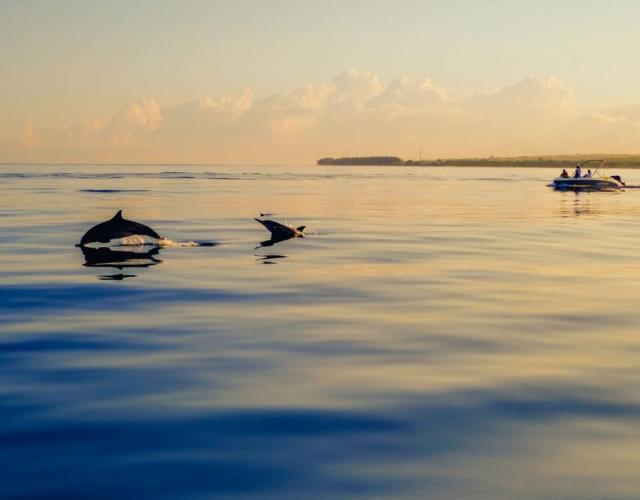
x,y
460,333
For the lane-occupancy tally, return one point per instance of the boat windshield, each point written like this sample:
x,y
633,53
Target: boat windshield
x,y
599,165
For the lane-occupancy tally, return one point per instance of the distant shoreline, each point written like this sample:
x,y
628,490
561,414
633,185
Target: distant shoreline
x,y
564,161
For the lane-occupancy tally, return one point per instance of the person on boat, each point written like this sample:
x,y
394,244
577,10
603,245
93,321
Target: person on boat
x,y
578,173
588,174
564,174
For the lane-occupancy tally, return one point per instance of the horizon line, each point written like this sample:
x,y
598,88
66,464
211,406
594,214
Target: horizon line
x,y
314,162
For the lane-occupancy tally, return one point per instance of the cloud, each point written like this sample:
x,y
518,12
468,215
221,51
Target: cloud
x,y
129,126
206,118
410,94
286,113
628,114
538,96
352,90
29,137
353,114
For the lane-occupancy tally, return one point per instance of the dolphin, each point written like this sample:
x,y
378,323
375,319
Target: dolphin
x,y
116,227
280,232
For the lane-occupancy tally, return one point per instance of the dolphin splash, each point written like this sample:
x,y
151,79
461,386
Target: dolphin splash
x,y
116,227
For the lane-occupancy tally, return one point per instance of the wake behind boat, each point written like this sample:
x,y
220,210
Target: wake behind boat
x,y
588,181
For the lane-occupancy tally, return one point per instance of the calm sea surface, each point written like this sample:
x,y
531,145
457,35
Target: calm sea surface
x,y
446,333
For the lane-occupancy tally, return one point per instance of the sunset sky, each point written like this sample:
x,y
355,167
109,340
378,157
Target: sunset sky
x,y
292,81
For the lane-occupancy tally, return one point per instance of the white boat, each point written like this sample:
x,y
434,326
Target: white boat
x,y
597,181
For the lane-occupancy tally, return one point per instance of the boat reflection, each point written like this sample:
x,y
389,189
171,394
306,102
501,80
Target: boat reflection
x,y
120,258
589,204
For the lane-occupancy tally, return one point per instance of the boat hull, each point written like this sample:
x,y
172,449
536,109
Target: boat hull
x,y
605,183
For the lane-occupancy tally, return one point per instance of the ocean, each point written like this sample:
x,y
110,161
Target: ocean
x,y
445,333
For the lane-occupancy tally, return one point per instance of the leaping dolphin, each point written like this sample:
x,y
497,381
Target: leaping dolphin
x,y
280,232
116,227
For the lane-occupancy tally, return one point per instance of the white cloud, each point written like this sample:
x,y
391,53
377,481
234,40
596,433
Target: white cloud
x,y
352,89
410,94
204,119
352,114
130,126
536,96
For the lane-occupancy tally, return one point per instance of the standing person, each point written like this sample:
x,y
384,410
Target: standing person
x,y
578,173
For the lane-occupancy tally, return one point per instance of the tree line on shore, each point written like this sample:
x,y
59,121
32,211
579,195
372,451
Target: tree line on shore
x,y
557,161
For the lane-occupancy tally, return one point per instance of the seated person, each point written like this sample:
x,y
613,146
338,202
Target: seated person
x,y
588,174
564,174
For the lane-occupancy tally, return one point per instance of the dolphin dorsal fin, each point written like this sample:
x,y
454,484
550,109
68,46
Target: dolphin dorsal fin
x,y
301,228
118,215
